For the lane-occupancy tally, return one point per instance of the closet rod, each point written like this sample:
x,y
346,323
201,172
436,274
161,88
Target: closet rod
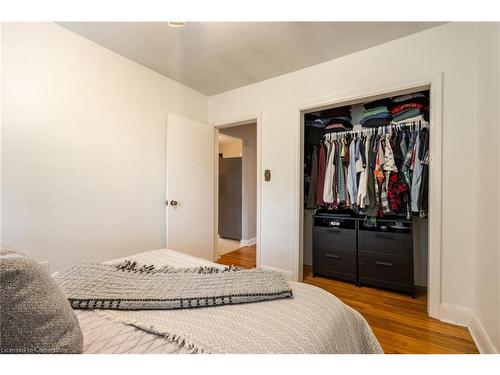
x,y
420,124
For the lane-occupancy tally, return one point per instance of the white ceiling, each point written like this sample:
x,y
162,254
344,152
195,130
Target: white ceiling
x,y
213,57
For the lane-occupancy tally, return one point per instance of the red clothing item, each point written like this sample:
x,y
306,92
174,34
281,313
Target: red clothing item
x,y
403,107
321,175
395,191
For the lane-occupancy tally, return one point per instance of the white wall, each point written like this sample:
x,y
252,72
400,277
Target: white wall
x,y
83,146
230,147
486,303
248,135
448,49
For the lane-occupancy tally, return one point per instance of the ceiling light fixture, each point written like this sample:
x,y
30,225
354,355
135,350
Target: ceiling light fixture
x,y
176,23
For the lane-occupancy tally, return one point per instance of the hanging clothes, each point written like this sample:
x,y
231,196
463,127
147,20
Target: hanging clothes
x,y
403,144
334,181
340,173
397,150
375,172
371,185
417,175
352,186
311,196
328,196
425,160
395,192
362,170
321,174
407,170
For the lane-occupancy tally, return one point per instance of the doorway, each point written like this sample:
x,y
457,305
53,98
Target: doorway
x,y
230,194
236,188
430,238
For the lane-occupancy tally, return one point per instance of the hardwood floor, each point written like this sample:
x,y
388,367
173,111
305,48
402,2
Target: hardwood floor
x,y
399,322
243,257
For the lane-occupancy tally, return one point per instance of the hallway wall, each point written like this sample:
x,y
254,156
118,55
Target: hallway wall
x,y
248,134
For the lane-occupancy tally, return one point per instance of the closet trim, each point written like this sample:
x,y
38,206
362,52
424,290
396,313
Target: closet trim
x,y
434,83
255,118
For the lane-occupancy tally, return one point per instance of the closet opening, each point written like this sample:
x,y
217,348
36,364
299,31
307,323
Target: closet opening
x,y
236,182
366,172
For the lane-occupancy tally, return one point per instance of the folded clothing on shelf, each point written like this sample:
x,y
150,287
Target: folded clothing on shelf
x,y
406,114
337,127
406,107
409,98
376,116
376,122
410,119
321,119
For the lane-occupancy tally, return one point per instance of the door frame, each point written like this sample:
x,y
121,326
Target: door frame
x,y
229,123
434,83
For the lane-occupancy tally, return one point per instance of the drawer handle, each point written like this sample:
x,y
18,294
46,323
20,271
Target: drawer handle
x,y
336,231
384,264
332,256
386,236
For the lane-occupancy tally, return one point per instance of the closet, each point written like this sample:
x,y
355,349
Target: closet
x,y
366,168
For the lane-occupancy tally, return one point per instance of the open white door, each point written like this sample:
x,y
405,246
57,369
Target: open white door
x,y
190,187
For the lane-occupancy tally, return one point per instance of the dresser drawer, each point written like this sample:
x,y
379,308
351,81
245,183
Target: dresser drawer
x,y
334,264
393,272
335,222
325,239
379,242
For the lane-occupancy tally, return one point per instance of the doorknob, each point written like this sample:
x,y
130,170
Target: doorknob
x,y
173,203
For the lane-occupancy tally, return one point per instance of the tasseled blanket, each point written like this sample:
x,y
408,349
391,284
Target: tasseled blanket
x,y
131,286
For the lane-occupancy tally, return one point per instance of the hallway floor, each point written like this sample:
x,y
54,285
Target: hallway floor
x,y
243,257
226,245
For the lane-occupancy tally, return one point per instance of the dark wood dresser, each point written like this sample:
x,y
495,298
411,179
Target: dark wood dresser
x,y
334,247
381,256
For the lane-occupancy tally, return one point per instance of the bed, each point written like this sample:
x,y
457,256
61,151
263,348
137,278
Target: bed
x,y
313,321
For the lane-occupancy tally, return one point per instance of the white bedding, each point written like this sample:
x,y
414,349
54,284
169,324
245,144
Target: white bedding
x,y
313,321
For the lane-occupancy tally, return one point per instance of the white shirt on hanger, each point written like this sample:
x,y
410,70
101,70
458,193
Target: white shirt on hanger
x,y
329,173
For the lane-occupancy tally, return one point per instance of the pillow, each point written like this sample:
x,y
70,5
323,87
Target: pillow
x,y
35,317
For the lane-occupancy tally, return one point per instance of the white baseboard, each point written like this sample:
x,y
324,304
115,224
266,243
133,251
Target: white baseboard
x,y
465,317
455,314
287,274
480,337
250,242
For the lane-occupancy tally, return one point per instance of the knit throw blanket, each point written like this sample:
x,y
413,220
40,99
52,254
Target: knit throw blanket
x,y
313,321
130,286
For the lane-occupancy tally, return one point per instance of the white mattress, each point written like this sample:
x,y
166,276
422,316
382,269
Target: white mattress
x,y
102,335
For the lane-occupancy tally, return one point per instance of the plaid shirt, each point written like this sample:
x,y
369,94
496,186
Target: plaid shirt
x,y
380,181
377,195
396,191
384,199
